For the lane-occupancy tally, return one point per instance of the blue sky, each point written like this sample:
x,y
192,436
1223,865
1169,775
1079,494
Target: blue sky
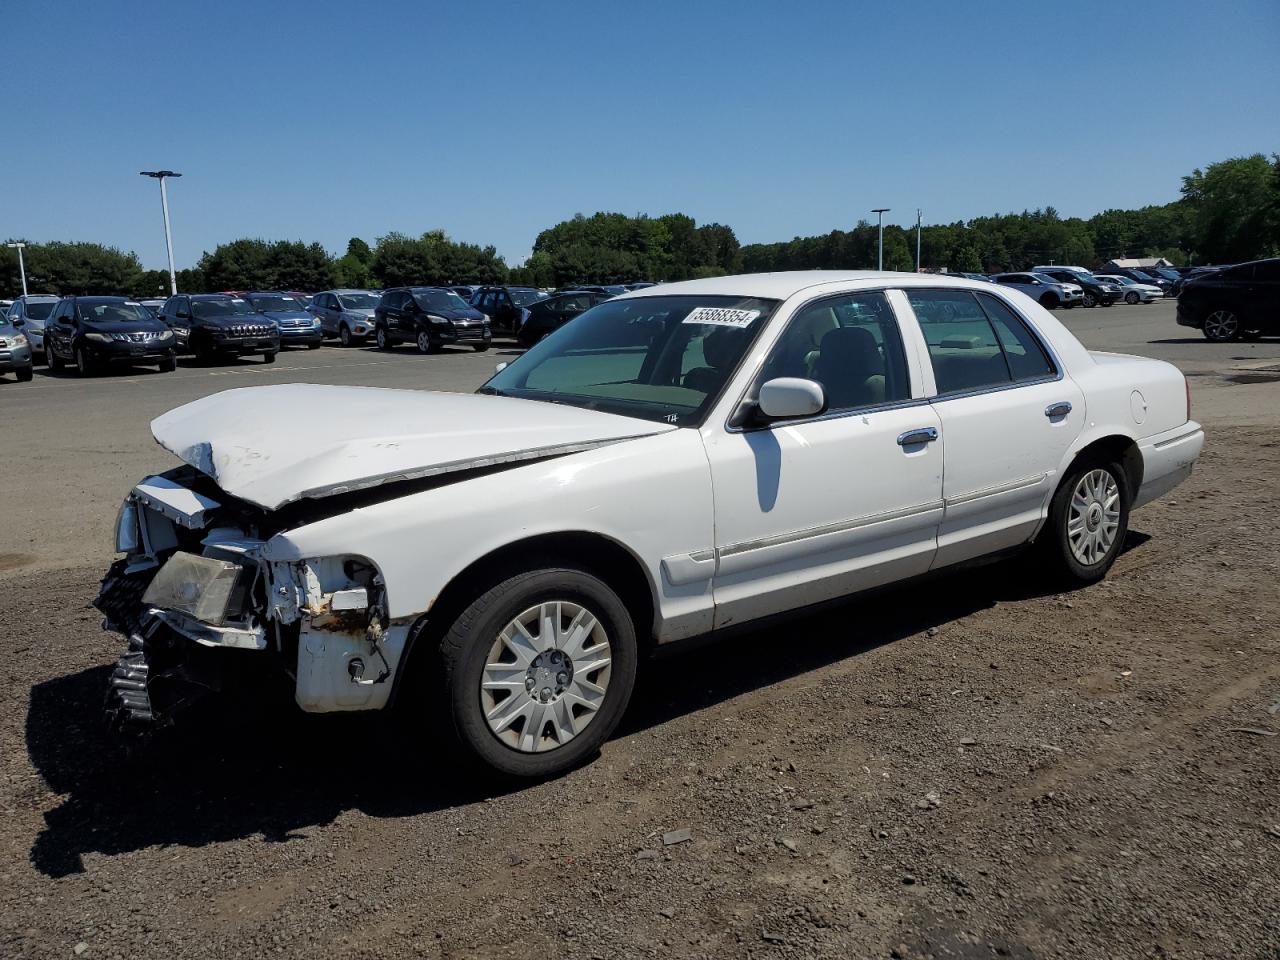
x,y
320,121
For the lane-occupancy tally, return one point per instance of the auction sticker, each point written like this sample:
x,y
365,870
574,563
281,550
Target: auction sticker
x,y
721,316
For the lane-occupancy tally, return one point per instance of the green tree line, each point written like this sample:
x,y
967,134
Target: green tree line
x,y
1227,212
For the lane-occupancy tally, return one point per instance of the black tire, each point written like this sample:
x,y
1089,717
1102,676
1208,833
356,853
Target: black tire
x,y
25,374
383,338
1049,301
424,343
1089,299
84,366
1107,303
1054,543
1221,326
51,359
480,347
344,335
315,346
269,357
465,648
1131,298
169,364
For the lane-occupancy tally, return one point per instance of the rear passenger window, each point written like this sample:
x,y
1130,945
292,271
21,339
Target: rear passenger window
x,y
975,341
851,345
1027,358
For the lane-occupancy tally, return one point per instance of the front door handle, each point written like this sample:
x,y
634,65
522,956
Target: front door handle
x,y
1056,410
915,437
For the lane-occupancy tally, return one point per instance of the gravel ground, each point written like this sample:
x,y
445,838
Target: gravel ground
x,y
963,768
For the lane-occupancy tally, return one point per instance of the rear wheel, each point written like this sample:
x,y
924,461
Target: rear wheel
x,y
1221,326
538,670
1088,520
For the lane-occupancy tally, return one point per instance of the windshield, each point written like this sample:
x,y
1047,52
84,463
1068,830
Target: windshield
x,y
111,311
1123,281
655,358
1045,278
37,310
275,304
204,309
1144,277
358,301
440,300
1168,274
523,298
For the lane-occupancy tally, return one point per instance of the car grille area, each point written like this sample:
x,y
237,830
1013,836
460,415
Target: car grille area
x,y
247,330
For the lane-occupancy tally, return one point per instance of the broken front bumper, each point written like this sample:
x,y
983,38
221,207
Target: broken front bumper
x,y
200,605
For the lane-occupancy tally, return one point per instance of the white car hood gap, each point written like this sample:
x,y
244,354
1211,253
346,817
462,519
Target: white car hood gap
x,y
273,445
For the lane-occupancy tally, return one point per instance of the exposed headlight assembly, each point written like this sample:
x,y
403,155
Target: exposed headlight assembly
x,y
207,589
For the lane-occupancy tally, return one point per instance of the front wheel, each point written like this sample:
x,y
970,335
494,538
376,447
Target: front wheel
x,y
53,361
480,347
424,342
315,346
1049,301
269,357
344,335
25,375
1088,520
1131,298
84,366
383,339
1090,300
1221,326
169,364
538,670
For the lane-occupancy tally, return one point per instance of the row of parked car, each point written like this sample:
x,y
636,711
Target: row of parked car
x,y
93,333
1055,286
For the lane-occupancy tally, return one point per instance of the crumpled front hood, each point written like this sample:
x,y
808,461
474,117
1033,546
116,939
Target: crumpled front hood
x,y
276,444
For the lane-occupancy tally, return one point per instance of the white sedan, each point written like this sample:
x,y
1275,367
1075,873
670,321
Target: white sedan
x,y
1131,290
675,461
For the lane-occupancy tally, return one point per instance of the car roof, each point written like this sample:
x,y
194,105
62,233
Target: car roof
x,y
780,286
341,290
28,297
214,296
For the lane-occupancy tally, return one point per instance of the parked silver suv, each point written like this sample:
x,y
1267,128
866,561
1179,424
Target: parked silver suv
x,y
31,312
1045,290
345,314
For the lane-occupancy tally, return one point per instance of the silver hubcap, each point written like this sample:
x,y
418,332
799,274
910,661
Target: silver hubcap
x,y
1220,325
424,342
1095,516
546,676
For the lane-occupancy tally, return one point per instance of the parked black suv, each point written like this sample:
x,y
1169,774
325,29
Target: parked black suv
x,y
95,332
1097,293
213,325
429,317
547,316
505,306
1233,303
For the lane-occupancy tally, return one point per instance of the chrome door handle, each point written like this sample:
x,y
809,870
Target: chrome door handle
x,y
1060,409
913,437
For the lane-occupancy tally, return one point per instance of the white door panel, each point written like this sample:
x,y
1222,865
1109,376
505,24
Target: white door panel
x,y
1002,459
819,509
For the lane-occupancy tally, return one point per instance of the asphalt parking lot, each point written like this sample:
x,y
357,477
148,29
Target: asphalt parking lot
x,y
998,771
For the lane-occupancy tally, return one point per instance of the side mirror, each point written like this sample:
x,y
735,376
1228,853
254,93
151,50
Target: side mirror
x,y
786,398
500,367
183,315
18,322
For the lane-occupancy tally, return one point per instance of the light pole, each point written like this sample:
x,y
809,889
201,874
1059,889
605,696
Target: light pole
x,y
919,214
881,211
164,206
22,267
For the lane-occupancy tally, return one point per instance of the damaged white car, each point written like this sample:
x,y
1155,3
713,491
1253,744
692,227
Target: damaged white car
x,y
673,462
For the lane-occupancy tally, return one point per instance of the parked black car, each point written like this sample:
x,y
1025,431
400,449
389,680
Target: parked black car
x,y
213,325
1097,293
429,317
1233,303
96,332
547,316
505,306
610,289
290,315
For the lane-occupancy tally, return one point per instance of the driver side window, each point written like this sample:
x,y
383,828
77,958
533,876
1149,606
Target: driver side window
x,y
851,345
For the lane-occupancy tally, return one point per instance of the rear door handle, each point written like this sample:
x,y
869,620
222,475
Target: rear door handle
x,y
1059,409
915,437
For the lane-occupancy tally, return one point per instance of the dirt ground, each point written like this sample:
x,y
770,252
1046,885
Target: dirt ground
x,y
962,768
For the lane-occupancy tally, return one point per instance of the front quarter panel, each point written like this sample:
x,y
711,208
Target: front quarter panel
x,y
650,495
